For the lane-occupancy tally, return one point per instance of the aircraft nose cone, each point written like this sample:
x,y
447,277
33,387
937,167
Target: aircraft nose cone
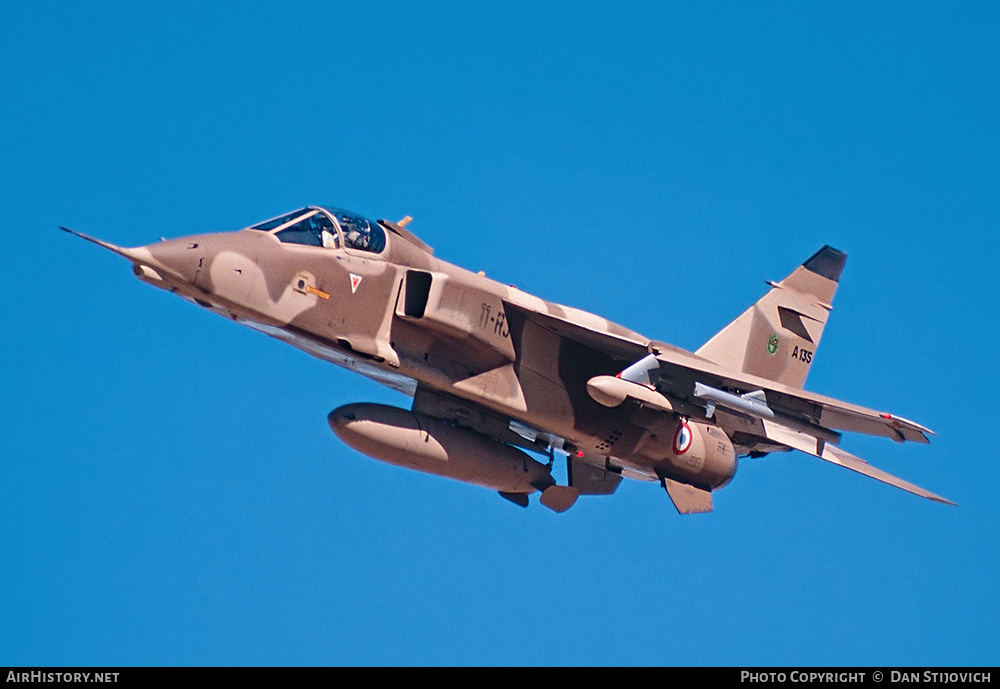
x,y
182,258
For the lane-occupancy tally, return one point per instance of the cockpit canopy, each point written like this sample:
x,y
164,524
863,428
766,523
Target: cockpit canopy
x,y
326,227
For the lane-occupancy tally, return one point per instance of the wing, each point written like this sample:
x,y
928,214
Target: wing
x,y
678,371
760,416
757,398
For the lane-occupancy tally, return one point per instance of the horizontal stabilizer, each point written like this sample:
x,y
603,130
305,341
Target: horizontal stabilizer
x,y
688,499
837,456
818,448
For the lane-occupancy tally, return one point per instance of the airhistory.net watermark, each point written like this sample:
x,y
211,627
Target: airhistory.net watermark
x,y
62,677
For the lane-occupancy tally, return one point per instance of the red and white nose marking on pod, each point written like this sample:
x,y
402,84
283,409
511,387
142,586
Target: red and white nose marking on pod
x,y
682,438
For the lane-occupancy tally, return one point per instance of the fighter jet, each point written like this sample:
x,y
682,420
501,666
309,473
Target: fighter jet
x,y
496,373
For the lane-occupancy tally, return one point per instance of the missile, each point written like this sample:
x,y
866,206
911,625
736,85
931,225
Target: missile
x,y
416,441
752,403
612,391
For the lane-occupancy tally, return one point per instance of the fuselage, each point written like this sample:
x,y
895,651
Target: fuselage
x,y
407,319
492,369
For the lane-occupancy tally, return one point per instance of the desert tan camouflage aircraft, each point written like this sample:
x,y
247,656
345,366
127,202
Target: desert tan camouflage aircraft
x,y
492,369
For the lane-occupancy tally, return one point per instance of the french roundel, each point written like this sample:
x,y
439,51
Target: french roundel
x,y
682,438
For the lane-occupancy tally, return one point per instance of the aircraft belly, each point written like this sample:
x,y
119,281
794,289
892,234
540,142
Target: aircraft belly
x,y
326,351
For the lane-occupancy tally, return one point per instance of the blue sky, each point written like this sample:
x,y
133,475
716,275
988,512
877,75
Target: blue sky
x,y
170,492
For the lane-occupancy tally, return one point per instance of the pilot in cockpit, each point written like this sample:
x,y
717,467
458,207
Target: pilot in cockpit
x,y
357,234
315,228
360,233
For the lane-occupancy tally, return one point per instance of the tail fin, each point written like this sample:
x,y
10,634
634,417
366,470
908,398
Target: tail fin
x,y
776,338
